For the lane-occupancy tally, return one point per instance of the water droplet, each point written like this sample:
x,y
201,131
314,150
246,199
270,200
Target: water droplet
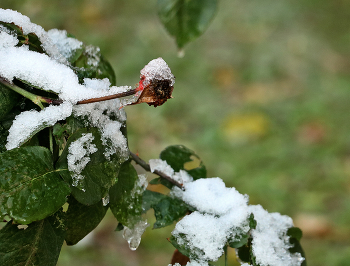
x,y
133,236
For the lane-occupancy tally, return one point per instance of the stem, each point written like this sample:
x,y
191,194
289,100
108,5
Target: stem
x,y
146,166
51,139
225,250
110,97
38,100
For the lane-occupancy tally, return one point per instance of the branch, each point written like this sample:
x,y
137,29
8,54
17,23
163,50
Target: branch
x,y
110,97
146,166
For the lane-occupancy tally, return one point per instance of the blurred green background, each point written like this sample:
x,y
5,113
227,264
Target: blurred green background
x,y
262,97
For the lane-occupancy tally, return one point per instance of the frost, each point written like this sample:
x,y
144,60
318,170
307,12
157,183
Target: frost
x,y
78,157
64,44
133,236
222,214
157,69
28,123
181,177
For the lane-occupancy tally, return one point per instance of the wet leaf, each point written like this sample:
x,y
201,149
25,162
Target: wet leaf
x,y
186,20
125,198
30,188
39,244
167,211
82,219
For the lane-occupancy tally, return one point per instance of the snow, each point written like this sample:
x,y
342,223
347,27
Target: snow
x,y
98,116
157,69
27,123
162,166
222,214
270,241
78,157
11,16
64,44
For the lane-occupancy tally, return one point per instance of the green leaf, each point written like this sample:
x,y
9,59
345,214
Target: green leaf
x,y
8,99
82,219
186,20
39,244
151,198
91,64
295,235
99,173
30,188
125,197
167,211
185,248
177,156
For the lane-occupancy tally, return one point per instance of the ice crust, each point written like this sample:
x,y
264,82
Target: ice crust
x,y
222,214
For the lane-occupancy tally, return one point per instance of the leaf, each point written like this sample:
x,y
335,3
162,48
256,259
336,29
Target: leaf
x,y
82,219
177,156
295,235
125,198
151,198
167,211
91,64
242,239
185,248
99,173
30,188
39,244
186,20
8,99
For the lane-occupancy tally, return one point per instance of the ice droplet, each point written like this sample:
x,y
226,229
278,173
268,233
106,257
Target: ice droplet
x,y
133,236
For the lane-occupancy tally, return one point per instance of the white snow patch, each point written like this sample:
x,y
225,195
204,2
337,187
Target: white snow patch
x,y
181,177
98,116
270,241
78,157
65,45
11,16
222,214
7,40
157,69
27,123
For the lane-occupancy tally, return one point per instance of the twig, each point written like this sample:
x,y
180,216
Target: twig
x,y
146,166
110,97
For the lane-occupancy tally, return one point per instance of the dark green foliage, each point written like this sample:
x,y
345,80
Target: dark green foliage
x,y
30,188
81,219
186,20
295,235
39,244
166,209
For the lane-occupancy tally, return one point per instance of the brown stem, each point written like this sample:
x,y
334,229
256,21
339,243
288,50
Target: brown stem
x,y
110,97
146,166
